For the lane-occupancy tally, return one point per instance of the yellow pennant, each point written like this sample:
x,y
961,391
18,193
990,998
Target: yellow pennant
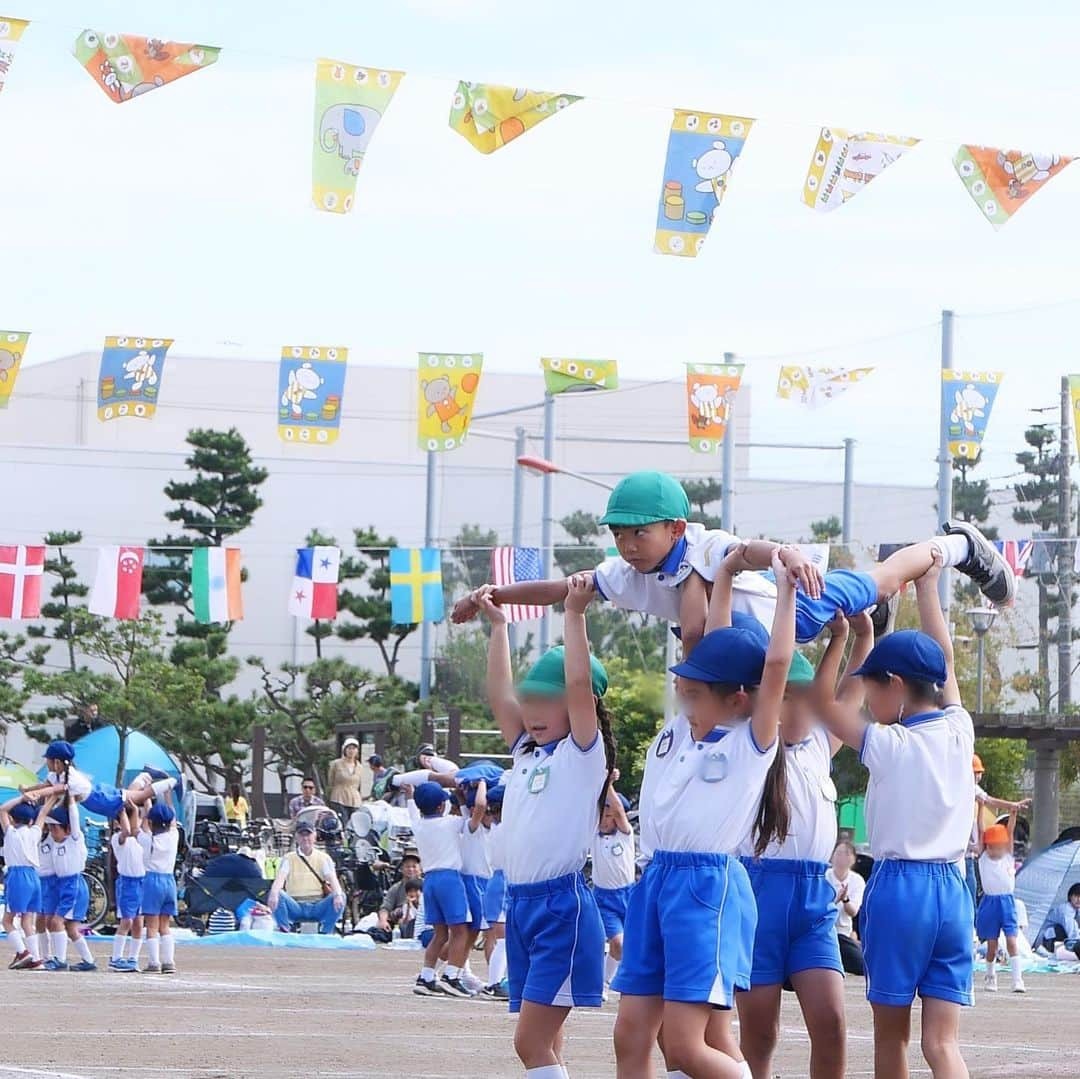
x,y
10,32
844,162
12,349
815,386
490,116
447,385
1074,393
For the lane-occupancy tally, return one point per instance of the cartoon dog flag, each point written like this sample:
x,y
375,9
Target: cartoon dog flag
x,y
12,350
1001,181
447,383
129,381
966,400
349,103
311,385
490,116
711,389
845,162
702,149
127,66
10,32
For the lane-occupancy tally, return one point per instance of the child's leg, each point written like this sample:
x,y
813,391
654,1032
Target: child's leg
x,y
991,953
135,941
636,1030
166,942
821,997
537,1037
686,1048
1016,965
497,959
15,934
29,928
759,1027
75,935
458,950
941,1038
123,930
892,1033
432,952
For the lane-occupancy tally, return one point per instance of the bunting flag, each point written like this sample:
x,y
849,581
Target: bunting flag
x,y
1074,394
513,565
1017,553
215,585
118,582
21,569
349,103
490,116
966,400
416,591
129,382
569,376
816,386
447,385
314,587
710,392
1001,181
845,162
10,32
701,151
126,65
311,384
12,350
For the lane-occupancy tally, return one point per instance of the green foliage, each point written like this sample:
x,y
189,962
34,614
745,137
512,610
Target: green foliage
x,y
848,774
1003,759
467,561
635,699
67,620
826,530
702,494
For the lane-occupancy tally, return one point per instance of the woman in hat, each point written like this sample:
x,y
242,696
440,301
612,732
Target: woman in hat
x,y
343,780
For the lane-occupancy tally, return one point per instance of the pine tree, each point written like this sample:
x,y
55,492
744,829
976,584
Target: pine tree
x,y
702,494
72,620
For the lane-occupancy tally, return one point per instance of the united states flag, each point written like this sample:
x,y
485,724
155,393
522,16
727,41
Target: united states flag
x,y
512,565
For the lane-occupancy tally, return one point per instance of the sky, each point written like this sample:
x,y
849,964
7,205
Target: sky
x,y
186,213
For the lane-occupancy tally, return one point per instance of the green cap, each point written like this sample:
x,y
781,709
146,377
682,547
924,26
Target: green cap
x,y
645,497
801,671
547,676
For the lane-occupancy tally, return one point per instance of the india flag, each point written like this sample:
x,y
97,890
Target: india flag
x,y
215,584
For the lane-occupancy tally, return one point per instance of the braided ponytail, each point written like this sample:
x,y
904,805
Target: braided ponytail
x,y
774,813
607,733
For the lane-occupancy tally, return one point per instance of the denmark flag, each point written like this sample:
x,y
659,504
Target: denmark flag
x,y
118,584
20,581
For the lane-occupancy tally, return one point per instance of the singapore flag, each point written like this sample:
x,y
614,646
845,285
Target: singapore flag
x,y
118,583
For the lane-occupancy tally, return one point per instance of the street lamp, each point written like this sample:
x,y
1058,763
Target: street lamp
x,y
542,466
982,618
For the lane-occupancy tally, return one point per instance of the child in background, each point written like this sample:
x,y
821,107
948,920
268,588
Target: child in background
x,y
475,869
997,908
49,898
850,888
23,826
559,734
72,895
1063,924
495,899
159,888
405,915
130,874
614,871
236,806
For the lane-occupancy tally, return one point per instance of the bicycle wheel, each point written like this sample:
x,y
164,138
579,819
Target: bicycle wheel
x,y
99,899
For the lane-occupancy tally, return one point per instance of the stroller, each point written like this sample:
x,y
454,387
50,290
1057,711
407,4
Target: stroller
x,y
229,882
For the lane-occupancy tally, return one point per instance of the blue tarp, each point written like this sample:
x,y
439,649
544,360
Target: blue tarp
x,y
96,754
358,942
1044,882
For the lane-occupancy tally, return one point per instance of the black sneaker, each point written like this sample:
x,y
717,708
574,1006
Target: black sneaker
x,y
455,987
424,988
984,565
495,992
883,616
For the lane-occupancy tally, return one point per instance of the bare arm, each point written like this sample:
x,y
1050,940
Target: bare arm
x,y
758,555
850,687
693,610
932,621
622,821
47,807
1011,825
719,616
1001,803
765,721
827,674
580,701
540,593
476,817
500,673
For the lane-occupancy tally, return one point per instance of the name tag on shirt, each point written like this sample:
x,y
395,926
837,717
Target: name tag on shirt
x,y
714,768
663,747
539,779
828,789
617,850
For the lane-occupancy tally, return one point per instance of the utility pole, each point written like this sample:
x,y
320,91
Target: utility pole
x,y
944,483
547,514
727,473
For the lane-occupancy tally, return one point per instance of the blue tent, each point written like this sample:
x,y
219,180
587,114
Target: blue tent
x,y
96,754
1044,882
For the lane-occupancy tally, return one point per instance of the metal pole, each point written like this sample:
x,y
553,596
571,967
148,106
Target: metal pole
x,y
944,491
546,522
727,473
849,489
429,541
1065,553
519,496
979,672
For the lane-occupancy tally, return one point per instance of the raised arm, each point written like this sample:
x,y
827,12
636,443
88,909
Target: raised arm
x,y
850,689
539,593
74,821
6,808
839,707
759,555
693,611
719,616
476,817
580,701
614,802
1011,825
932,621
500,672
46,808
827,675
765,720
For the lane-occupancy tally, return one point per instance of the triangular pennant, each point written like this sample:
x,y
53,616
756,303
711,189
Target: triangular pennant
x,y
1074,394
563,375
12,350
349,103
701,151
129,380
127,66
1001,181
10,32
815,386
845,162
311,385
490,116
711,390
966,400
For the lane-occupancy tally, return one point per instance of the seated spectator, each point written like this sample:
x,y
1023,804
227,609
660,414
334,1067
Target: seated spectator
x,y
306,887
1063,924
236,806
394,899
406,915
849,887
307,797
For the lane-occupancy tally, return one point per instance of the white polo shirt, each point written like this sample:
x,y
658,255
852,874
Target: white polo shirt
x,y
551,808
657,761
997,875
78,783
475,853
811,798
438,839
921,789
708,797
856,887
22,846
613,859
130,861
162,854
45,855
69,855
497,848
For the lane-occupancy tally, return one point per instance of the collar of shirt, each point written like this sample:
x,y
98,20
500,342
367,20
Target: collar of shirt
x,y
674,569
547,747
921,717
714,735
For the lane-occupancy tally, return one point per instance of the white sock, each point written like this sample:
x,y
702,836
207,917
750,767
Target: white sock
x,y
497,966
1016,969
453,972
428,974
153,954
135,947
440,968
83,949
59,946
954,549
611,967
549,1071
18,939
746,1072
168,948
118,945
565,1072
161,786
33,946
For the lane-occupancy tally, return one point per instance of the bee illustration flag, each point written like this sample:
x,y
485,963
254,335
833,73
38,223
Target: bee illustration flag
x,y
569,376
966,400
349,103
12,350
127,66
447,383
711,389
10,32
416,588
1001,181
129,382
311,384
815,386
490,116
1074,394
702,149
845,162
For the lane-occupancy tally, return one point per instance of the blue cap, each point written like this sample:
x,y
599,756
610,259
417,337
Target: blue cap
x,y
429,797
729,656
59,815
24,813
60,751
909,654
160,814
741,620
495,795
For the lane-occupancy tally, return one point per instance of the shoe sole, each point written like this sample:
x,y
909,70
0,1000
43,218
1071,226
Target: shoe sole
x,y
458,994
1002,578
427,991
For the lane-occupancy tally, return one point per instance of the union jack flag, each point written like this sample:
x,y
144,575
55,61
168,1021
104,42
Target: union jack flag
x,y
512,565
1017,553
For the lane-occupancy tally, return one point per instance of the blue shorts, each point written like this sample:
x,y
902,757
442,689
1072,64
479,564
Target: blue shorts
x,y
495,898
689,930
445,901
22,889
796,927
474,893
613,903
129,894
916,931
72,898
845,590
49,894
425,936
159,894
104,801
554,944
996,915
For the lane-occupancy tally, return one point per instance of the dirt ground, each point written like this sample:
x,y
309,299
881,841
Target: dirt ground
x,y
277,1014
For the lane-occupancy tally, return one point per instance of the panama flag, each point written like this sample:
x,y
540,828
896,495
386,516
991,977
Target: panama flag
x,y
118,584
20,581
314,587
215,584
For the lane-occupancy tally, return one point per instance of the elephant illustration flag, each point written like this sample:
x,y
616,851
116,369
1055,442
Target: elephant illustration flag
x,y
570,376
711,389
966,400
10,32
129,381
1074,395
845,162
702,149
118,582
21,569
349,103
1001,181
311,385
215,585
12,349
127,66
447,384
416,588
816,386
314,587
490,116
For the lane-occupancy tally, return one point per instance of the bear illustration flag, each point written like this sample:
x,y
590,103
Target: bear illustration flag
x,y
447,384
129,380
490,116
127,66
215,585
966,400
12,350
21,569
314,587
118,582
1001,181
711,389
349,103
844,162
416,589
311,385
10,32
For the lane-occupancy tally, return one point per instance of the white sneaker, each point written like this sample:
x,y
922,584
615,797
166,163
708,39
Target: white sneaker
x,y
990,981
1019,987
471,981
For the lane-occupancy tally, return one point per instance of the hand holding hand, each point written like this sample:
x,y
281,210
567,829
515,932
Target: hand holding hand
x,y
838,625
785,578
930,578
465,609
862,625
484,599
805,572
580,590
